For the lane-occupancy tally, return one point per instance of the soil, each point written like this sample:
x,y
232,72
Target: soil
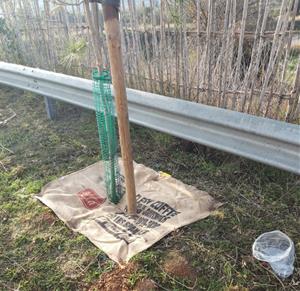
x,y
176,265
48,218
115,280
145,285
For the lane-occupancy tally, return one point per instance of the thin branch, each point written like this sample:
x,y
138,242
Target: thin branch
x,y
9,118
4,168
2,146
60,2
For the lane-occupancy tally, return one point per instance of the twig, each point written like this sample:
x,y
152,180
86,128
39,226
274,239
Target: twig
x,y
6,286
236,255
250,201
9,118
1,209
88,266
162,287
272,273
5,169
60,2
16,263
2,146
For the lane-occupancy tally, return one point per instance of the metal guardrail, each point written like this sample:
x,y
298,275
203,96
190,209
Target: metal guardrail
x,y
268,141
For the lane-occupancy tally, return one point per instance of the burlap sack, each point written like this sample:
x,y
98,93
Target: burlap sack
x,y
164,204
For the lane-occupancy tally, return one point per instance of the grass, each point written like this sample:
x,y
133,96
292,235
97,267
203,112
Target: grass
x,y
38,252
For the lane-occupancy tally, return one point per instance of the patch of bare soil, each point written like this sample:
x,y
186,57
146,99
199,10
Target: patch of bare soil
x,y
115,280
145,285
176,265
47,217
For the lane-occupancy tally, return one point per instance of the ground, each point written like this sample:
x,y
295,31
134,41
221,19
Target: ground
x,y
38,252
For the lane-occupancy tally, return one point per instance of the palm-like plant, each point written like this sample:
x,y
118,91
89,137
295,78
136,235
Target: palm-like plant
x,y
73,56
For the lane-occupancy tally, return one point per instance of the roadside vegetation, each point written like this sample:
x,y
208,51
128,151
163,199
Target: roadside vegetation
x,y
38,252
239,55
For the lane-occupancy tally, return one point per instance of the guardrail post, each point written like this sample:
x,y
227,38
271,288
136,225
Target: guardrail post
x,y
50,108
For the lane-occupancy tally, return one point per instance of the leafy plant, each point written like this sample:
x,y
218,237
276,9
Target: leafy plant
x,y
73,56
9,49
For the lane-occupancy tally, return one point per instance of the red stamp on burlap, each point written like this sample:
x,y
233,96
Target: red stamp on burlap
x,y
90,199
